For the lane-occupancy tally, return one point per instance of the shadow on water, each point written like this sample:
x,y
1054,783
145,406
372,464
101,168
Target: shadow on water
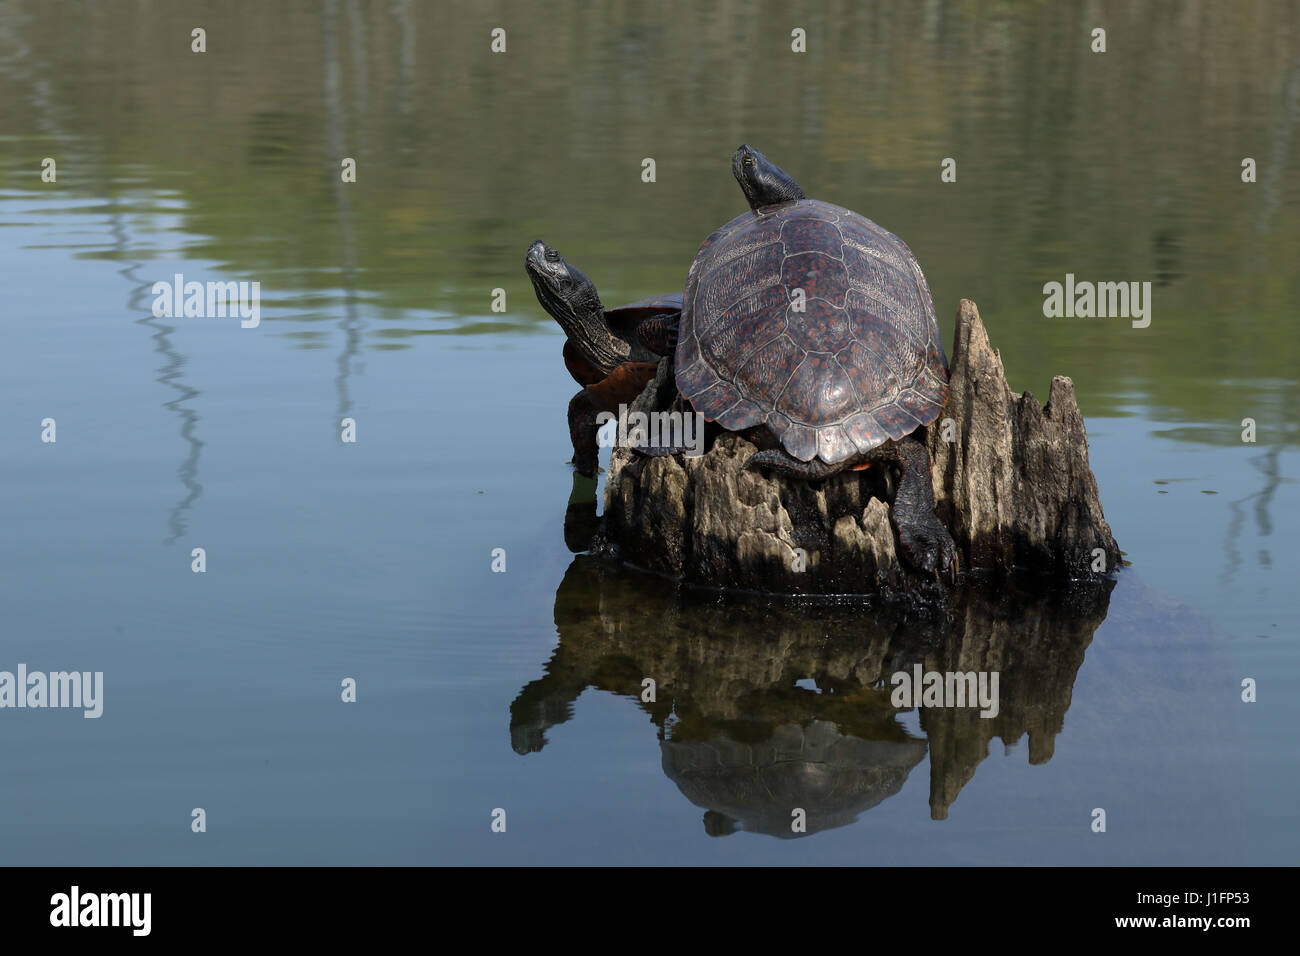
x,y
763,707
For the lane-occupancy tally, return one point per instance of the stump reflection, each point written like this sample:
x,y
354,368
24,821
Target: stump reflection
x,y
763,706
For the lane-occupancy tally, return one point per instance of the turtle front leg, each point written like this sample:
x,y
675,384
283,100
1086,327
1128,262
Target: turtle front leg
x,y
617,389
659,333
926,543
582,430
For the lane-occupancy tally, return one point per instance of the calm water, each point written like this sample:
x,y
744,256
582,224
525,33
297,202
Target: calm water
x,y
371,560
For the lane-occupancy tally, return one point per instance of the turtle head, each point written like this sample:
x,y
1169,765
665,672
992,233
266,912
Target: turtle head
x,y
570,298
764,182
564,292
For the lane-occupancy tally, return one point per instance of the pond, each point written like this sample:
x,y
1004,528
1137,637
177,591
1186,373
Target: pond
x,y
399,301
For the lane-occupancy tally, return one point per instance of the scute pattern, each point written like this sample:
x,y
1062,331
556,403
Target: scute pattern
x,y
860,365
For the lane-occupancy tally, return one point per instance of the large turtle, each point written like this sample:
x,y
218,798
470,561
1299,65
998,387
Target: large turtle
x,y
811,329
612,353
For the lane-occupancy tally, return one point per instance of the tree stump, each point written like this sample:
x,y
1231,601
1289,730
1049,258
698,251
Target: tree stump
x,y
1011,483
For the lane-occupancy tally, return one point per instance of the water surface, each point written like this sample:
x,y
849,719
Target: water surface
x,y
372,560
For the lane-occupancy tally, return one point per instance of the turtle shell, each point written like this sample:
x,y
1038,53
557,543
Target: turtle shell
x,y
859,365
834,776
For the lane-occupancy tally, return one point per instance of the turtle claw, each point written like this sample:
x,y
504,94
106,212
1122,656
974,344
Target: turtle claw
x,y
927,546
953,571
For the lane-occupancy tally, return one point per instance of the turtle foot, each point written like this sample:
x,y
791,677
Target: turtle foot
x,y
927,546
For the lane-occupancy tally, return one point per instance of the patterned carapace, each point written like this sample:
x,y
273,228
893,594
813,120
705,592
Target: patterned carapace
x,y
860,365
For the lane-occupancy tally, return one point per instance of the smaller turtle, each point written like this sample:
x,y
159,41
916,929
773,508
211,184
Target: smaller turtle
x,y
612,353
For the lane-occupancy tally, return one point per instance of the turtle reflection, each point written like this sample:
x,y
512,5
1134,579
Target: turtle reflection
x,y
754,785
765,707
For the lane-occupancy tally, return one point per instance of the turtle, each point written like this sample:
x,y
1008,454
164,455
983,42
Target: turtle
x,y
612,353
752,782
811,330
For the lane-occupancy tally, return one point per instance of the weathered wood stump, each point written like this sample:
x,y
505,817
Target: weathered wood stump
x,y
1011,483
